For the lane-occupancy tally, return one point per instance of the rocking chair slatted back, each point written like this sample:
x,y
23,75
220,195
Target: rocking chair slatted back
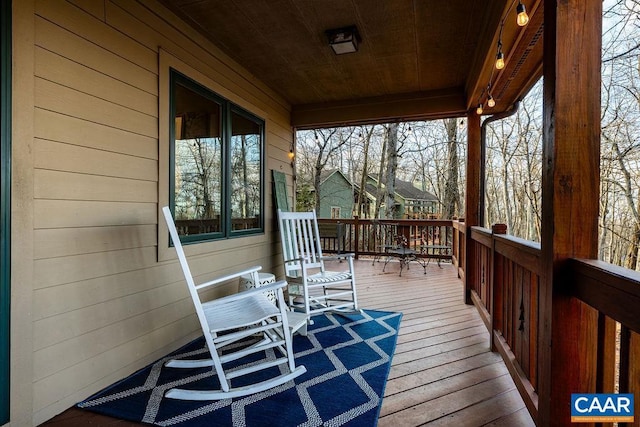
x,y
313,289
301,240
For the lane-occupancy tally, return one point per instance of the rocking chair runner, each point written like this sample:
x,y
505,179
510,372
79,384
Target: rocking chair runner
x,y
226,322
313,289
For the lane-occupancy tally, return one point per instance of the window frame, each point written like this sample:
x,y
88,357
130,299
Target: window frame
x,y
227,109
5,211
335,209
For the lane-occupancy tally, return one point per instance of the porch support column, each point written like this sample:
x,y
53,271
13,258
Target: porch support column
x,y
570,182
472,201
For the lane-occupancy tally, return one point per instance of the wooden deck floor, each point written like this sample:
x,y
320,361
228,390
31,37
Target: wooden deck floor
x,y
442,373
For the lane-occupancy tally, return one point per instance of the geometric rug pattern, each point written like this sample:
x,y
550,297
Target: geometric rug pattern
x,y
347,357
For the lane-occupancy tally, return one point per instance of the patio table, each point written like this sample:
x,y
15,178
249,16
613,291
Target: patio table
x,y
405,256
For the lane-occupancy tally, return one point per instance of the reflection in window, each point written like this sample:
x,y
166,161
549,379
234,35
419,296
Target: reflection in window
x,y
216,156
245,172
198,163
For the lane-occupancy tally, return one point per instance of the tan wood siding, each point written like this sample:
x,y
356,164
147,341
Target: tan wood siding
x,y
58,69
63,157
54,126
96,8
95,56
72,102
62,242
103,305
94,30
75,186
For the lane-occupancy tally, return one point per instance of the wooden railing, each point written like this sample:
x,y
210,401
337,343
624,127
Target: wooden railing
x,y
367,237
614,292
507,291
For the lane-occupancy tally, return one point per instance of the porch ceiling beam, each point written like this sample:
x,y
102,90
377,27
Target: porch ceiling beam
x,y
522,47
485,56
383,109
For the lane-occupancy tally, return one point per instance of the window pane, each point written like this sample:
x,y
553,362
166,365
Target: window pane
x,y
198,162
246,141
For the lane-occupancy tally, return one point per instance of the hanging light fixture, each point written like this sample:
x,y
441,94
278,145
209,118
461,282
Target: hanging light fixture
x,y
522,19
491,102
479,109
500,59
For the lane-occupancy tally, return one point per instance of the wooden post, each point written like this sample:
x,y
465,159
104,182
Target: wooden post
x,y
472,203
570,181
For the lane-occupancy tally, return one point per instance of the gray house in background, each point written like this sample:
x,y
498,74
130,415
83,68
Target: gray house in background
x,y
338,198
415,203
336,195
411,202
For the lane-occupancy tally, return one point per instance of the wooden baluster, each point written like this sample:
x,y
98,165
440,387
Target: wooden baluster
x,y
496,282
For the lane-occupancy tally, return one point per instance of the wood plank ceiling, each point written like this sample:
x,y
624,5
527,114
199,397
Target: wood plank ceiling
x,y
418,59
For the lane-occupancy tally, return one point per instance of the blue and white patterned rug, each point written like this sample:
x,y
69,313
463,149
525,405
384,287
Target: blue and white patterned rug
x,y
347,357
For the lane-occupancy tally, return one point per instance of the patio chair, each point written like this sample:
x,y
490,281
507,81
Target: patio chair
x,y
229,323
312,289
384,239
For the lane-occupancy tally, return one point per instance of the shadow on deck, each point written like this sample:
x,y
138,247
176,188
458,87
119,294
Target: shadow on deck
x,y
443,372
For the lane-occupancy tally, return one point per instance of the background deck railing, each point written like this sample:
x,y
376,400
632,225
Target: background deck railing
x,y
507,292
368,237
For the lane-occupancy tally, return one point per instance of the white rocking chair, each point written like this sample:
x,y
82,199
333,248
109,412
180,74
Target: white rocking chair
x,y
313,289
226,321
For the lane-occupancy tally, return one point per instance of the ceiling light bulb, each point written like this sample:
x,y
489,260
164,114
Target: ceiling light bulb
x,y
479,109
491,102
522,19
500,60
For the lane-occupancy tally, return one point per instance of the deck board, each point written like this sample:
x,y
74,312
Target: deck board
x,y
442,371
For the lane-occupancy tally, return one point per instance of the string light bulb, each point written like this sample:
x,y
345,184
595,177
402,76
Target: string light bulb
x,y
491,102
500,60
479,109
522,18
291,155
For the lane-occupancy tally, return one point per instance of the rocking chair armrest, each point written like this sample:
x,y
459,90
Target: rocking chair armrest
x,y
226,278
340,256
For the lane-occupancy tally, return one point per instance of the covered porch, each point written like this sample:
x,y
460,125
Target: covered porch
x,y
95,293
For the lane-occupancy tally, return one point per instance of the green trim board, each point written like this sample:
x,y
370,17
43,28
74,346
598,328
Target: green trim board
x,y
5,208
280,190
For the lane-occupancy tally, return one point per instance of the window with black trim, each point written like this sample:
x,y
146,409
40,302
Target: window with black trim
x,y
216,162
